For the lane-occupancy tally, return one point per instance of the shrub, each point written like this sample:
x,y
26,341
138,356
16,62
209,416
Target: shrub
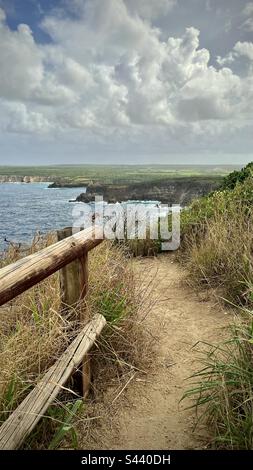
x,y
232,179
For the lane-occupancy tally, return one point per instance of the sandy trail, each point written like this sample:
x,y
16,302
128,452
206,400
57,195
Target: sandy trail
x,y
150,417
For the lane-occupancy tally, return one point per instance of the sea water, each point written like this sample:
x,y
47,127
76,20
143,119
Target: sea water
x,y
29,207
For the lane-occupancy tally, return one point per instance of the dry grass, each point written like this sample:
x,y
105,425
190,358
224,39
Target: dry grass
x,y
220,253
32,335
34,332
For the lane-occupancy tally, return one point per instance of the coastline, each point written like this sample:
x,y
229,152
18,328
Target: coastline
x,y
25,179
170,191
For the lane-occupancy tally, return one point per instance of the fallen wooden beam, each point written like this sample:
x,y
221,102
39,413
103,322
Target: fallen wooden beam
x,y
22,421
17,277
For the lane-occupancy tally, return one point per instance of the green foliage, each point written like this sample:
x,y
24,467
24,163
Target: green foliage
x,y
218,202
67,415
217,240
222,390
112,304
236,177
58,428
14,391
147,247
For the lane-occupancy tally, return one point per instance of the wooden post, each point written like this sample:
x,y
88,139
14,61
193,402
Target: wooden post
x,y
74,287
69,276
83,273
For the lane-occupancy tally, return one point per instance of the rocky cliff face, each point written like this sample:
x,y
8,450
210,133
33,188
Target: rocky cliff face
x,y
24,179
178,191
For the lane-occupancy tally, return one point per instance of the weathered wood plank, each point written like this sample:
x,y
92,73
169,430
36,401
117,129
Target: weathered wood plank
x,y
25,273
69,278
74,287
21,422
86,369
83,274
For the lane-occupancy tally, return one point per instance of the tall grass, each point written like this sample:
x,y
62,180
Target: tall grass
x,y
222,389
124,300
217,247
217,242
33,333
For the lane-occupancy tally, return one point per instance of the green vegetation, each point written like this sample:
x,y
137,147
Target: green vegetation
x,y
217,247
58,426
67,416
217,241
223,388
237,177
81,174
146,247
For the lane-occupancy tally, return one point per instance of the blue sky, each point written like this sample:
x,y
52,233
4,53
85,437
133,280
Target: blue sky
x,y
165,81
30,12
211,21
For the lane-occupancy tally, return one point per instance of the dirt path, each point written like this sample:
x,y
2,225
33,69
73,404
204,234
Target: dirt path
x,y
151,416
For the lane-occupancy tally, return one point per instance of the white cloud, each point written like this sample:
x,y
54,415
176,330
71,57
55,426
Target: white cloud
x,y
150,9
110,73
244,49
228,59
247,12
240,49
210,95
2,15
24,75
20,62
146,9
248,9
248,25
15,117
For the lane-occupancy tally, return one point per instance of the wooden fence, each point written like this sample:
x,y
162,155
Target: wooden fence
x,y
70,256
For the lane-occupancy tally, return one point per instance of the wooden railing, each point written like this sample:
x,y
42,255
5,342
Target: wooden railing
x,y
16,278
70,256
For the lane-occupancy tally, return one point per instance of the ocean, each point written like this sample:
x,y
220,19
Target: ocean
x,y
27,208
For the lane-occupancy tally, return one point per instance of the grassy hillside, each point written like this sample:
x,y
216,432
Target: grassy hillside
x,y
217,248
217,238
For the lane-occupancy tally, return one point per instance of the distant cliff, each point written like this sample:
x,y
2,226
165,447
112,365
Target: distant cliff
x,y
69,183
24,179
169,191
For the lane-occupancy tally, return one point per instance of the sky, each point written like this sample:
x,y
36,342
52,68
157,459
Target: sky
x,y
126,81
